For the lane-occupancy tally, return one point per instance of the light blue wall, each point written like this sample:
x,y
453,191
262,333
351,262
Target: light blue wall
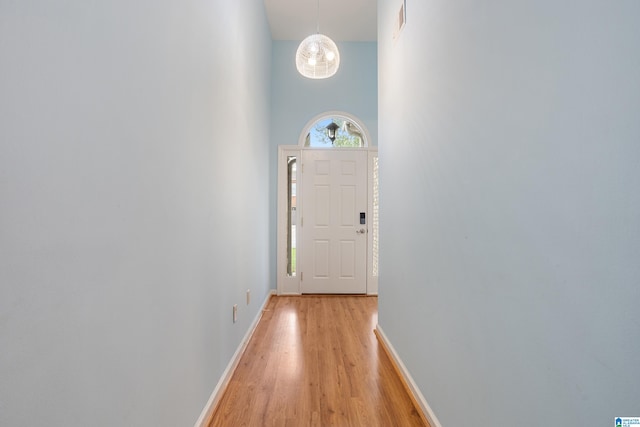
x,y
510,213
296,100
133,205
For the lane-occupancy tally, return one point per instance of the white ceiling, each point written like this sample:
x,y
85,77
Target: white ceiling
x,y
341,20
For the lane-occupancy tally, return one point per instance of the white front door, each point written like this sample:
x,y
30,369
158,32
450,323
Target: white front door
x,y
334,240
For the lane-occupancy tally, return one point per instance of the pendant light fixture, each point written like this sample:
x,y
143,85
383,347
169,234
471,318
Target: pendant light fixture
x,y
317,56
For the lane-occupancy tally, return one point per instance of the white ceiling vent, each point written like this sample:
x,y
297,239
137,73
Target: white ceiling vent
x,y
400,19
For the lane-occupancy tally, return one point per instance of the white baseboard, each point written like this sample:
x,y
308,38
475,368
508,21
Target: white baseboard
x,y
212,403
413,388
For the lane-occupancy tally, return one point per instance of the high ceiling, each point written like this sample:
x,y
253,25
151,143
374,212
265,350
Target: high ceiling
x,y
342,20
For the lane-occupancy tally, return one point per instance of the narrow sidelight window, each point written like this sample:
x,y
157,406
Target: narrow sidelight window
x,y
292,215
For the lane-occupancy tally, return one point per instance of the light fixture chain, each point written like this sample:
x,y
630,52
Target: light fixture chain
x,y
318,17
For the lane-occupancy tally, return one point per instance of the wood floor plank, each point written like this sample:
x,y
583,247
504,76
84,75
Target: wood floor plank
x,y
315,361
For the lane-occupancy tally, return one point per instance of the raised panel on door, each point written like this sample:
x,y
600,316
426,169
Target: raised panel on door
x,y
320,257
321,215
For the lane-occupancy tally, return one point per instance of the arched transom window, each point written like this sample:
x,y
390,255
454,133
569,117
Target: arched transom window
x,y
334,130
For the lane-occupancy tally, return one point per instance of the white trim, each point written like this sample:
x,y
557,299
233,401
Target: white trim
x,y
366,143
216,395
417,394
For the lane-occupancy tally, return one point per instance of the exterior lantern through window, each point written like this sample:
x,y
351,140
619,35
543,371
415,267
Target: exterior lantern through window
x,y
331,131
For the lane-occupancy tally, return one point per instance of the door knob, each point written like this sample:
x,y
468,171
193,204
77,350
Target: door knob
x,y
361,231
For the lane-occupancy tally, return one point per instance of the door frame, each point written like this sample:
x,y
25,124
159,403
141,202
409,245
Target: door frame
x,y
290,285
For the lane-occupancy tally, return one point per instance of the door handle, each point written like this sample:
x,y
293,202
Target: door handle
x,y
361,231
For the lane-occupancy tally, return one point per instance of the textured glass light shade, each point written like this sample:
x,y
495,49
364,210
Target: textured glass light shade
x,y
317,57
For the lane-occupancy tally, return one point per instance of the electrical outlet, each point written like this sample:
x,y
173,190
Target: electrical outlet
x,y
248,296
235,313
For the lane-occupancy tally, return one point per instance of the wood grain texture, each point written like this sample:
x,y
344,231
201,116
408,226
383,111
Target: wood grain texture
x,y
315,361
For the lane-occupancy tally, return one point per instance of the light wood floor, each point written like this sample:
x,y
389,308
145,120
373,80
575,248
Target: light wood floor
x,y
315,361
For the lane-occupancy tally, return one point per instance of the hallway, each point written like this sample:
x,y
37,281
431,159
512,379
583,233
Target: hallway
x,y
314,360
